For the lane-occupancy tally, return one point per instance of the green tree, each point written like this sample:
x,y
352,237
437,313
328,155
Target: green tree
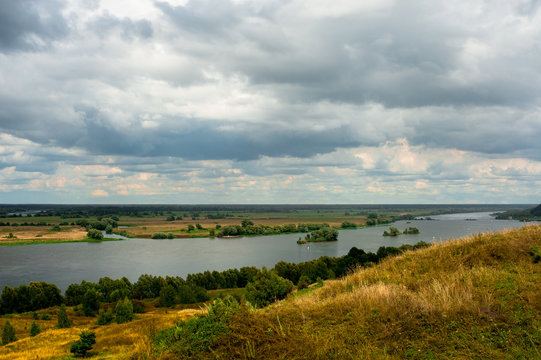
x,y
8,333
94,234
86,340
34,329
91,302
167,296
191,228
267,288
246,222
123,311
63,320
105,317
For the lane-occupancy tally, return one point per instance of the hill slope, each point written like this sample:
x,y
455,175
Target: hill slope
x,y
478,297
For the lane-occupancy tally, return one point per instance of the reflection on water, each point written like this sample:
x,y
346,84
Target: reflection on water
x,y
67,263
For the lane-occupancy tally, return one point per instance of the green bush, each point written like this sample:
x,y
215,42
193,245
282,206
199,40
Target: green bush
x,y
8,333
94,234
63,320
348,224
123,311
200,332
45,316
304,282
267,287
91,302
167,296
323,234
105,317
159,235
86,340
34,329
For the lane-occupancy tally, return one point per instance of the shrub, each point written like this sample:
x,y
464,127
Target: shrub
x,y
348,224
170,235
91,302
94,234
167,296
105,317
84,344
34,329
304,281
8,333
45,316
267,288
159,235
63,320
200,332
323,234
123,311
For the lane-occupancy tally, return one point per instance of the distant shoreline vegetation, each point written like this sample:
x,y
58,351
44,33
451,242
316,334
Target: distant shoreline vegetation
x,y
393,231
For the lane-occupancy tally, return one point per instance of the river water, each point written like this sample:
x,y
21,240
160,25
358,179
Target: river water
x,y
66,263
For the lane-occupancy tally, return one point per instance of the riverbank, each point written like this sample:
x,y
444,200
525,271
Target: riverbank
x,y
41,242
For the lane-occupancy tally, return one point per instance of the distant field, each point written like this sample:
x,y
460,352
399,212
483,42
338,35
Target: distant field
x,y
145,220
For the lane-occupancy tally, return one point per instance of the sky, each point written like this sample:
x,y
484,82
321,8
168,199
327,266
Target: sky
x,y
238,101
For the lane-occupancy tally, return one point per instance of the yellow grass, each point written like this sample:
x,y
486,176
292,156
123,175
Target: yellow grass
x,y
116,341
40,234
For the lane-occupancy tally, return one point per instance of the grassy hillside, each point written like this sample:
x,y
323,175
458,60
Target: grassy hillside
x,y
478,297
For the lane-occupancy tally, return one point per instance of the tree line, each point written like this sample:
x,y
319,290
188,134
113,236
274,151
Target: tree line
x,y
174,289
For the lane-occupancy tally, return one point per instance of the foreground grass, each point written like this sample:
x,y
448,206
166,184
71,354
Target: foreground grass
x,y
474,298
116,341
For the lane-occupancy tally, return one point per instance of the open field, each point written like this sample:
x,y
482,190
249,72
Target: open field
x,y
145,220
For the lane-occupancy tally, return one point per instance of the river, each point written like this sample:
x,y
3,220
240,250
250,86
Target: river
x,y
66,263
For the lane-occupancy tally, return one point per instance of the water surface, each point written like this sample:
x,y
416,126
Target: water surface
x,y
66,263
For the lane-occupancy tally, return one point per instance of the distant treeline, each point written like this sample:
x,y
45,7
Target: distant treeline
x,y
81,211
529,214
170,290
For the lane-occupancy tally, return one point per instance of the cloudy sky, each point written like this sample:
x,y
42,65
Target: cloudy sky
x,y
238,101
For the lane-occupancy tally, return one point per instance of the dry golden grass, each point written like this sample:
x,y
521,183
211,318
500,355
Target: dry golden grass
x,y
40,234
116,341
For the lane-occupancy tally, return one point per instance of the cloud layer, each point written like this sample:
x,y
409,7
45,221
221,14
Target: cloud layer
x,y
270,101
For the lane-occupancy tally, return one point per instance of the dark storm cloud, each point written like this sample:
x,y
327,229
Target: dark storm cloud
x,y
30,24
206,140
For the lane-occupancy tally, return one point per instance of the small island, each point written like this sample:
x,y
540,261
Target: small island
x,y
321,235
393,231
